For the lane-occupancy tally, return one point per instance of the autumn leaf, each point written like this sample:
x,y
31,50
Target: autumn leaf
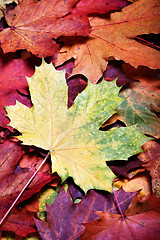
x,y
64,218
115,37
148,77
136,227
32,25
141,221
12,180
140,182
72,136
9,151
3,5
150,159
20,221
140,107
11,82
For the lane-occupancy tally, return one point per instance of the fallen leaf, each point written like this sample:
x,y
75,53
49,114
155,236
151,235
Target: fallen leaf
x,y
64,218
148,77
47,196
13,72
114,37
62,221
12,180
141,221
20,221
32,25
150,159
3,5
135,227
140,108
150,204
76,145
10,154
140,182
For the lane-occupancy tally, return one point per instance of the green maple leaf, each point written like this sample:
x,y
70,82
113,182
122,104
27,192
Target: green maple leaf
x,y
77,147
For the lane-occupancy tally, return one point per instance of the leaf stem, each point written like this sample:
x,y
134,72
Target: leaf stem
x,y
119,208
24,188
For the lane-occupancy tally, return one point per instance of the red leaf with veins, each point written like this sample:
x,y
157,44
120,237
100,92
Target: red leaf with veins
x,y
32,25
13,180
64,218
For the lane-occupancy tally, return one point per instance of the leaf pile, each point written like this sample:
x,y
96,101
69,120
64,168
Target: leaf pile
x,y
61,68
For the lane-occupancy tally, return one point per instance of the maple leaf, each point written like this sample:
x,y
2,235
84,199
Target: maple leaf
x,y
136,227
33,25
140,107
13,177
114,37
72,136
140,221
150,159
64,218
11,81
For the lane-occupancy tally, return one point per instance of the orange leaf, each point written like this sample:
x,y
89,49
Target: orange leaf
x,y
140,182
114,37
32,25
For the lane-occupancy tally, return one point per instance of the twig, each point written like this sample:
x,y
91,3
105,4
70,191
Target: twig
x,y
24,188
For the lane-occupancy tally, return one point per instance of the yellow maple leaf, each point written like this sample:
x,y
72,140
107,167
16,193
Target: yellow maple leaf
x,y
72,136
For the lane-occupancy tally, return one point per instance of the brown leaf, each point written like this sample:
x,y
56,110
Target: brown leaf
x,y
114,37
148,77
151,161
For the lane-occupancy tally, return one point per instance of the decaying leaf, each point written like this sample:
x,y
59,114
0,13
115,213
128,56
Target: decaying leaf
x,y
114,37
140,107
151,161
72,136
